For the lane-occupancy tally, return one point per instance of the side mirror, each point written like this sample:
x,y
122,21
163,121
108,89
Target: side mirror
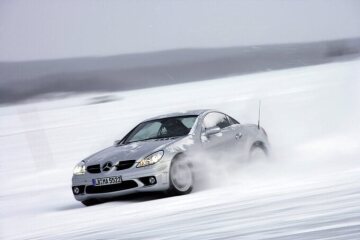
x,y
116,143
212,131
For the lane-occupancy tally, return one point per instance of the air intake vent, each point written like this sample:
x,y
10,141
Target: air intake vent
x,y
111,188
124,164
93,168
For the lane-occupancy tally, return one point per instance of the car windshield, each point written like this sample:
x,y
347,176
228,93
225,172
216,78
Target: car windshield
x,y
162,128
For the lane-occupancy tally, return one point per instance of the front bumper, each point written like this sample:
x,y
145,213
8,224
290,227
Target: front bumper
x,y
133,180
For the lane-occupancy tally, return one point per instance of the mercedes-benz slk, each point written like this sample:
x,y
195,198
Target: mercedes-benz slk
x,y
159,154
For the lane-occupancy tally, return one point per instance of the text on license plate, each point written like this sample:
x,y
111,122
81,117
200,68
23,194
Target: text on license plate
x,y
106,181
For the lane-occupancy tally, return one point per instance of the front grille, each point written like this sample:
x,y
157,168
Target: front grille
x,y
111,188
93,168
124,164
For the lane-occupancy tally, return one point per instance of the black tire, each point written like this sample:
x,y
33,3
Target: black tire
x,y
185,185
90,202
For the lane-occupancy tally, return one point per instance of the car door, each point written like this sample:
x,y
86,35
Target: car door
x,y
241,137
220,144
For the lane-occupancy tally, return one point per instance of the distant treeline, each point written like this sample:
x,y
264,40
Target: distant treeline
x,y
20,81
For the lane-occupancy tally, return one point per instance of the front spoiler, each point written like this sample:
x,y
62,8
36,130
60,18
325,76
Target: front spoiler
x,y
162,183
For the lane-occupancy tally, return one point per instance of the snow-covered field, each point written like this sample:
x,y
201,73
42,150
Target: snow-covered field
x,y
310,190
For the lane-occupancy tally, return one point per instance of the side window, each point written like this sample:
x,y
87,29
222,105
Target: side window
x,y
216,120
233,121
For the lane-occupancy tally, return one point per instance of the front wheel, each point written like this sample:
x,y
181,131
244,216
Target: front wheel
x,y
181,179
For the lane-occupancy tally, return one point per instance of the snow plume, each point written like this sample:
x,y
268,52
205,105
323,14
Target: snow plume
x,y
312,123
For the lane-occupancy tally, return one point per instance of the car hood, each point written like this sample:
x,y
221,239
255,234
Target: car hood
x,y
131,151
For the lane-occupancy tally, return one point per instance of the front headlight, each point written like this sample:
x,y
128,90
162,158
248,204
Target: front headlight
x,y
151,159
79,169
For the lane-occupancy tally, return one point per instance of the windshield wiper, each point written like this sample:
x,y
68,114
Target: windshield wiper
x,y
154,138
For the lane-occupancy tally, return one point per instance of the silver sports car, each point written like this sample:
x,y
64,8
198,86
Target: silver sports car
x,y
166,153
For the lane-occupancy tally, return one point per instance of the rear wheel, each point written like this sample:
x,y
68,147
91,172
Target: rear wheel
x,y
181,179
258,154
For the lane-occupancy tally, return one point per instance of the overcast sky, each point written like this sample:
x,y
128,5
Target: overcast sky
x,y
49,29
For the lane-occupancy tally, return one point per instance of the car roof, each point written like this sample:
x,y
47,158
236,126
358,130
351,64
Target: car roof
x,y
179,114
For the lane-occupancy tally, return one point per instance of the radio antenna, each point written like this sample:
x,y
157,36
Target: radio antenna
x,y
259,114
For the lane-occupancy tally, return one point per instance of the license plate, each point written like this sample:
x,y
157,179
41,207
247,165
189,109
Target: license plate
x,y
106,181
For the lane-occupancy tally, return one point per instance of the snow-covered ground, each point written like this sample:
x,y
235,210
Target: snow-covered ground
x,y
310,190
